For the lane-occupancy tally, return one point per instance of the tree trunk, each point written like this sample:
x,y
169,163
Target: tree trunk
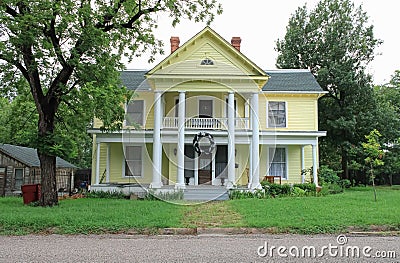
x,y
47,159
48,175
345,168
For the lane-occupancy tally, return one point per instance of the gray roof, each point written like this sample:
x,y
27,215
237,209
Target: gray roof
x,y
286,80
134,79
301,80
29,157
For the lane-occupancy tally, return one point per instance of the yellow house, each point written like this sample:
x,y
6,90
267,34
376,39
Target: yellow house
x,y
256,123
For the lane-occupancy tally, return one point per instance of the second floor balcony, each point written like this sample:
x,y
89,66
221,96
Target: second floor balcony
x,y
205,123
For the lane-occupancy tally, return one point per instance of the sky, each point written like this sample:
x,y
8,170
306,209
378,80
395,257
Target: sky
x,y
260,23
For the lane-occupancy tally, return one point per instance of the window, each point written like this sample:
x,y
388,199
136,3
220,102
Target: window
x,y
207,62
276,114
135,112
19,178
133,161
277,162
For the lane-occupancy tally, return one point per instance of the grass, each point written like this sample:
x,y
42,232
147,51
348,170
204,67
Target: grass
x,y
329,214
85,216
354,209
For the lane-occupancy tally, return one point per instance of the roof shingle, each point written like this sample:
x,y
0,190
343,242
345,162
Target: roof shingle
x,y
29,156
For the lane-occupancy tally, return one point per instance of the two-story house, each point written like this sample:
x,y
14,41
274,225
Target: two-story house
x,y
263,123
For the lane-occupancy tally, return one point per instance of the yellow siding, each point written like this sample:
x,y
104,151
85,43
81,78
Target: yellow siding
x,y
187,60
242,159
302,111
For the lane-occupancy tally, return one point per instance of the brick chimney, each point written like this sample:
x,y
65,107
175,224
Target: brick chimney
x,y
236,42
174,43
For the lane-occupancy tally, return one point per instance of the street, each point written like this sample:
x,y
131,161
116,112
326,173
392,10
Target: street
x,y
202,248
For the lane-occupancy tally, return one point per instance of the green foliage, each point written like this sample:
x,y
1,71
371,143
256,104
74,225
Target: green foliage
x,y
245,194
308,187
69,54
327,175
164,196
336,42
331,188
106,194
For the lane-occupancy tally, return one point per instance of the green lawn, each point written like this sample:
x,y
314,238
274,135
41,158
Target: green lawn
x,y
87,216
328,214
333,213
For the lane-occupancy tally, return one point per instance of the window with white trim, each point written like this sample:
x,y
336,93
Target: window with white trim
x,y
135,112
133,161
276,114
277,162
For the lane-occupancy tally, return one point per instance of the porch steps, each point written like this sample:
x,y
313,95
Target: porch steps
x,y
206,194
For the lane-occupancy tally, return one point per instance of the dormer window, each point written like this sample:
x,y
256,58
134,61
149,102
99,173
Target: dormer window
x,y
207,62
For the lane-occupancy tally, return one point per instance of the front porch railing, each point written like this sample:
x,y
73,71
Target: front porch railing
x,y
205,123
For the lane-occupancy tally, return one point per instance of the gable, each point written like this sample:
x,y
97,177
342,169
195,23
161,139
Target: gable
x,y
207,44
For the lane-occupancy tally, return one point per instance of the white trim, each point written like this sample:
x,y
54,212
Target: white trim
x,y
286,160
145,112
293,92
235,108
124,160
286,114
108,163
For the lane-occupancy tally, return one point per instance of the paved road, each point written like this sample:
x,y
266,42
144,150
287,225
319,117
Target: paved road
x,y
202,248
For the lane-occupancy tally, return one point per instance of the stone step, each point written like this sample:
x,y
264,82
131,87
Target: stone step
x,y
206,194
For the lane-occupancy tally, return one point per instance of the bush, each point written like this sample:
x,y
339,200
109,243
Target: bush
x,y
308,188
345,183
329,188
327,175
175,195
246,194
106,194
297,191
276,190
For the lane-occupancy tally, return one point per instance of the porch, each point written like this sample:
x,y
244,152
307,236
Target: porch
x,y
205,123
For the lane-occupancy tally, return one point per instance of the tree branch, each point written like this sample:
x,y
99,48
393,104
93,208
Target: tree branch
x,y
11,11
18,65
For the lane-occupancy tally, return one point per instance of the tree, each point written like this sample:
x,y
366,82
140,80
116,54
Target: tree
x,y
374,153
69,51
336,43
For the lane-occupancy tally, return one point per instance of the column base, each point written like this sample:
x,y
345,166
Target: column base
x,y
156,185
229,185
256,186
179,186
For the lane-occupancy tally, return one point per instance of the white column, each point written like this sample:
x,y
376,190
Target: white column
x,y
302,164
157,146
315,164
97,162
250,165
255,183
180,180
231,140
108,164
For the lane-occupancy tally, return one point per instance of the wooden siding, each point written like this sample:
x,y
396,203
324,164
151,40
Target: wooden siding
x,y
302,112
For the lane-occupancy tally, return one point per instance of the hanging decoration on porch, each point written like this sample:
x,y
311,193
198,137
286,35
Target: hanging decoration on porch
x,y
196,143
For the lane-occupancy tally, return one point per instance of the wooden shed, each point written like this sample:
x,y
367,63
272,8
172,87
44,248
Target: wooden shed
x,y
21,165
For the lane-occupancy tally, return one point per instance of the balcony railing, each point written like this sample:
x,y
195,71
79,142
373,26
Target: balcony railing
x,y
205,123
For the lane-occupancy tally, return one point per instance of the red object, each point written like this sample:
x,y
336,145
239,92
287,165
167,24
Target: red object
x,y
30,193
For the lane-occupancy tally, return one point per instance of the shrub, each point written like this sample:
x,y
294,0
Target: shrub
x,y
106,194
276,190
175,195
245,194
308,188
329,188
297,191
327,175
345,183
